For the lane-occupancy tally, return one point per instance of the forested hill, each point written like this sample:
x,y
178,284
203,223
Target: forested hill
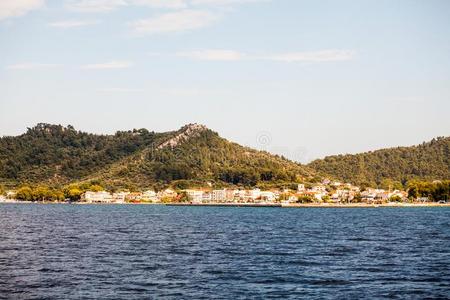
x,y
427,161
57,155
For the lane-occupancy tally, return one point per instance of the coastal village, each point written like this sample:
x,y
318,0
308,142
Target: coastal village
x,y
326,192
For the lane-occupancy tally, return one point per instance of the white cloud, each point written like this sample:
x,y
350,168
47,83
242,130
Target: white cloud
x,y
182,92
110,5
30,66
72,23
232,55
224,2
224,55
14,8
108,65
95,5
120,90
313,56
173,4
182,20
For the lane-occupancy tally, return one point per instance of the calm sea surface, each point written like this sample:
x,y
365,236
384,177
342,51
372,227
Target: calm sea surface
x,y
152,251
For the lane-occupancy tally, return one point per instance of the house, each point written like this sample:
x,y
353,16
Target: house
x,y
342,195
133,197
382,196
97,197
206,197
167,193
319,195
150,196
218,195
249,195
11,194
119,197
241,195
300,188
319,188
368,195
255,194
195,195
396,193
292,199
230,195
268,196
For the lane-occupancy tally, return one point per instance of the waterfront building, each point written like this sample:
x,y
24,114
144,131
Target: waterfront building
x,y
133,197
231,195
267,196
97,197
255,194
150,195
218,195
195,196
11,194
119,197
206,197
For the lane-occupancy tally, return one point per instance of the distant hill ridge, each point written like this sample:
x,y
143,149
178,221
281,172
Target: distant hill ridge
x,y
196,155
427,161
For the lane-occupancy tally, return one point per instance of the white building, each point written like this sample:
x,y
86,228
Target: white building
x,y
268,196
230,195
11,194
97,197
218,195
206,197
195,195
119,197
150,195
255,194
319,188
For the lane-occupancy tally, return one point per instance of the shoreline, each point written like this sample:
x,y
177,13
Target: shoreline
x,y
267,205
311,205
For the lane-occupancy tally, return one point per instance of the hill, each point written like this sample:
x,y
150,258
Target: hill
x,y
57,155
427,161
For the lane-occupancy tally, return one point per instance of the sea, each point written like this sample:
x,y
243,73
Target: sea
x,y
63,251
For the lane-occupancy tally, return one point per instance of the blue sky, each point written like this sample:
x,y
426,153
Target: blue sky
x,y
300,78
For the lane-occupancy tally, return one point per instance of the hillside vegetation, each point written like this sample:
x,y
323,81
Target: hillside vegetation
x,y
57,155
194,155
428,161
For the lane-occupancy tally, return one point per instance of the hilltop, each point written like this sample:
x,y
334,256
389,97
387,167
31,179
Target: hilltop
x,y
192,155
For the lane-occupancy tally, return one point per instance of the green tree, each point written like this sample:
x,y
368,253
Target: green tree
x,y
73,193
395,198
305,199
96,188
41,193
24,193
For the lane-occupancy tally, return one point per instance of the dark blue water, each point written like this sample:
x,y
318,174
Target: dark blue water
x,y
146,251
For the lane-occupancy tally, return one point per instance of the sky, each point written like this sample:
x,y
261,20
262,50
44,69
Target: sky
x,y
304,79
